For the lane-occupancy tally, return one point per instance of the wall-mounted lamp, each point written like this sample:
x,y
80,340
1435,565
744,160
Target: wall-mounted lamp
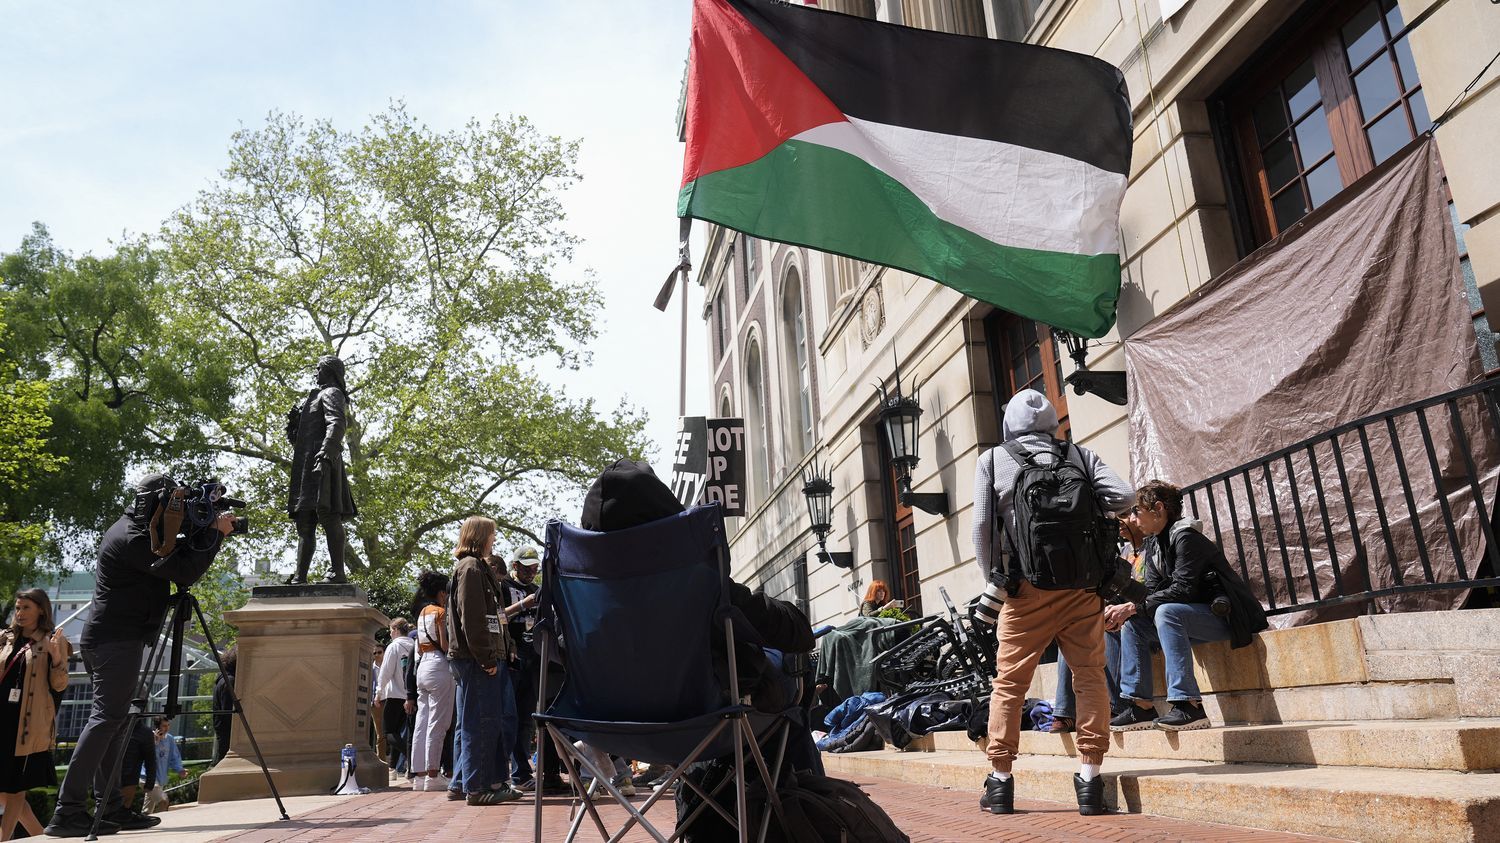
x,y
1107,385
901,415
817,485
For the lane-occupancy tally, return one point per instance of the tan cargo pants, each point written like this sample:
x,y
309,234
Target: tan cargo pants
x,y
1029,622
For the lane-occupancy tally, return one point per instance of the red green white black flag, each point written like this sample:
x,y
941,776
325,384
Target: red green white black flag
x,y
993,167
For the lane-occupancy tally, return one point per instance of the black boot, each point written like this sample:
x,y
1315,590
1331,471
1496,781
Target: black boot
x,y
335,553
1090,795
999,796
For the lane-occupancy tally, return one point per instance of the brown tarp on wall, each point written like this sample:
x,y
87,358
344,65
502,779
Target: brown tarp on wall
x,y
1356,310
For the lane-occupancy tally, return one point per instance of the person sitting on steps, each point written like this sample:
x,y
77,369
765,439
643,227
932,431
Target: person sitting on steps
x,y
1187,579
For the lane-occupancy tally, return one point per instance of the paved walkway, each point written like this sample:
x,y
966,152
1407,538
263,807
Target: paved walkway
x,y
397,815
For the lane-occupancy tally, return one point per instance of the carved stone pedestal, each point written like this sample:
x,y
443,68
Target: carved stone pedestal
x,y
305,677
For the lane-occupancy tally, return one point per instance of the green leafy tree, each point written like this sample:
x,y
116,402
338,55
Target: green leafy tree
x,y
127,386
25,459
429,261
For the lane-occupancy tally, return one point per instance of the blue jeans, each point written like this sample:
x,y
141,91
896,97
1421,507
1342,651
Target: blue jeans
x,y
1066,701
455,780
1176,628
486,721
520,740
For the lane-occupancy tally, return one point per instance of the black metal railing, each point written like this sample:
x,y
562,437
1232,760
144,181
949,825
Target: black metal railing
x,y
1383,510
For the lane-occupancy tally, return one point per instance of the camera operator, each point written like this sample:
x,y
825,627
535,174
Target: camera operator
x,y
132,592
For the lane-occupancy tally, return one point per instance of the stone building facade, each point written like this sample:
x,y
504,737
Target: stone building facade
x,y
1248,114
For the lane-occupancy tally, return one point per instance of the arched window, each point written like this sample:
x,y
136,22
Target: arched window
x,y
755,420
726,406
797,377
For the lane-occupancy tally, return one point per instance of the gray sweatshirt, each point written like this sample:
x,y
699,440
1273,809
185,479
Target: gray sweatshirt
x,y
1031,420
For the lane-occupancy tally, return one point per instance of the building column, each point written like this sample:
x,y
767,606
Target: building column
x,y
1450,46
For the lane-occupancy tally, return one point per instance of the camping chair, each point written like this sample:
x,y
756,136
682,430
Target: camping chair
x,y
630,615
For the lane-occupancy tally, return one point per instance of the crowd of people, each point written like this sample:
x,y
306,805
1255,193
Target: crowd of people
x,y
455,689
1186,594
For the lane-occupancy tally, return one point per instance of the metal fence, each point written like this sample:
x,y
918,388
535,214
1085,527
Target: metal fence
x,y
1390,510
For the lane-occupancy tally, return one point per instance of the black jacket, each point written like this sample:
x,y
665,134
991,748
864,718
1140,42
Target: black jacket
x,y
132,586
513,591
1175,574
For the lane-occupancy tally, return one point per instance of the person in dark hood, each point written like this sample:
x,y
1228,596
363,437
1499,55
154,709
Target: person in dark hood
x,y
629,494
132,589
319,491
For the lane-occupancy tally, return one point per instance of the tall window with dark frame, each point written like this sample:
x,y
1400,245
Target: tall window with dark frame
x,y
1023,355
798,379
1342,97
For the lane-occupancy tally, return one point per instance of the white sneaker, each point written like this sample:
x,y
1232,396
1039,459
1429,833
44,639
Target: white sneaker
x,y
436,784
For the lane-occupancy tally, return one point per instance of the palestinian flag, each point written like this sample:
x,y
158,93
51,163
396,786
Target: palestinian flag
x,y
993,167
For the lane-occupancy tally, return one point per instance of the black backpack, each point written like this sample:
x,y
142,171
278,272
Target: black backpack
x,y
818,809
821,809
1063,540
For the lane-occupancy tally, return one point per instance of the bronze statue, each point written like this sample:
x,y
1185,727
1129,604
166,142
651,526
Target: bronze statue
x,y
319,492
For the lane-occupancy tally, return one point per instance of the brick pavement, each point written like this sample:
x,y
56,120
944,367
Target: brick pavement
x,y
927,814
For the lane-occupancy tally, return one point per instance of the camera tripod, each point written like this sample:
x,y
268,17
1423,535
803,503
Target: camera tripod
x,y
184,607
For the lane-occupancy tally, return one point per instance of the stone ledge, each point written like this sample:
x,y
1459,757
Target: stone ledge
x,y
306,591
1358,803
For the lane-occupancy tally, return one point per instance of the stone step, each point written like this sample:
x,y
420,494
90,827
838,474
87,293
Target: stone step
x,y
1456,745
1403,700
1352,803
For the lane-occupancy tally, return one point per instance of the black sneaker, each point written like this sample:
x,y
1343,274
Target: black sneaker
x,y
1090,795
1133,719
76,824
1183,717
129,820
494,797
999,796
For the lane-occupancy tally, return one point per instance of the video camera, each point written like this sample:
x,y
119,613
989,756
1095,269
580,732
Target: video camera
x,y
187,511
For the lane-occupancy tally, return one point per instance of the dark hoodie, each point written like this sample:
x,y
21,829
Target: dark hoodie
x,y
629,494
131,585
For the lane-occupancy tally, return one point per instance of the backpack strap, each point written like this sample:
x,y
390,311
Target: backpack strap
x,y
1017,453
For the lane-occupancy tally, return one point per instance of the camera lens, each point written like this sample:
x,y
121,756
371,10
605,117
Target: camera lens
x,y
987,605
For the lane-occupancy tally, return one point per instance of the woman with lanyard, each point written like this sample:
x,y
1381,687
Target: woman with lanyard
x,y
34,655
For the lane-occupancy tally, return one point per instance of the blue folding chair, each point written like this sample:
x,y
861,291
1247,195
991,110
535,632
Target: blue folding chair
x,y
631,615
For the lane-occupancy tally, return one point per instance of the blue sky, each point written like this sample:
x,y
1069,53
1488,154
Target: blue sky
x,y
115,114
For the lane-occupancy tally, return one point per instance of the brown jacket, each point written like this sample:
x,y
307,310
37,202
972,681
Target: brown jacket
x,y
476,616
37,731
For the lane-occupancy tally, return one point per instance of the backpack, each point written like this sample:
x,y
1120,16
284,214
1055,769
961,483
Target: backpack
x,y
1064,541
818,809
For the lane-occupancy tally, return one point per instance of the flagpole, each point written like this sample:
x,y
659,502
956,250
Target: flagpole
x,y
682,361
664,298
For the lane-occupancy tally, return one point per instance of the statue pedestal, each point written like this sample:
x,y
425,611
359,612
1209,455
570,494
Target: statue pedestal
x,y
305,678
